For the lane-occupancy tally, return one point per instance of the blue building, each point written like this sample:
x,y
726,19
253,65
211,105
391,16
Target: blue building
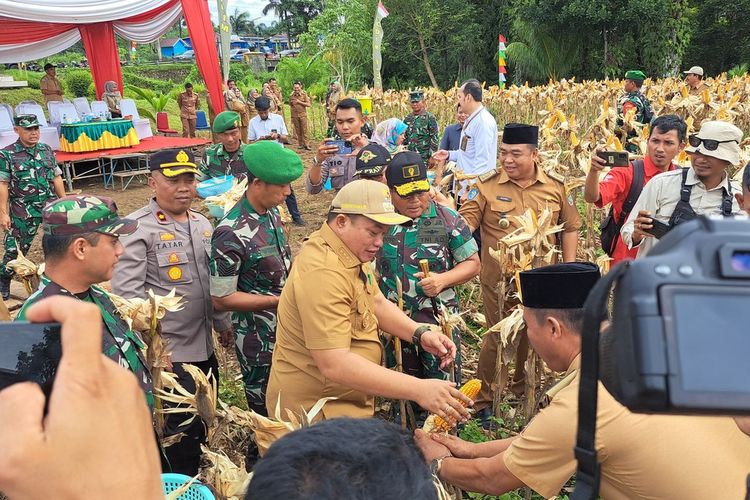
x,y
171,47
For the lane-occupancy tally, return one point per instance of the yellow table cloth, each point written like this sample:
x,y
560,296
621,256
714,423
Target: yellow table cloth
x,y
95,136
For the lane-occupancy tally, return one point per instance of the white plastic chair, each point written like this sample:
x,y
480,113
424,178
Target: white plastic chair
x,y
47,134
99,108
7,135
82,106
142,125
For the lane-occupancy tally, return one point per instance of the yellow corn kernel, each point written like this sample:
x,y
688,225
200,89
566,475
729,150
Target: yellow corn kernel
x,y
469,389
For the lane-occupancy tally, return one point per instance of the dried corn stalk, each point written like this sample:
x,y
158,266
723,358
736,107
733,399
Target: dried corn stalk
x,y
202,404
229,199
25,271
228,480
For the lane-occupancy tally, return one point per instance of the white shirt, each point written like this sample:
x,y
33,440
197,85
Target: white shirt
x,y
660,197
258,128
477,153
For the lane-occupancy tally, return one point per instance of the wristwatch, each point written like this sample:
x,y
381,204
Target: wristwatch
x,y
315,161
437,464
417,336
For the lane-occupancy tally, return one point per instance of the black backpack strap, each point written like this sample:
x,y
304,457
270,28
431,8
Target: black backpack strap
x,y
588,474
726,200
636,186
684,189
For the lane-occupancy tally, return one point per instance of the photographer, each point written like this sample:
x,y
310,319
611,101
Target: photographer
x,y
703,189
96,440
642,456
667,137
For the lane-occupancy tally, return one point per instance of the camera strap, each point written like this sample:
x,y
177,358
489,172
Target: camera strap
x,y
595,311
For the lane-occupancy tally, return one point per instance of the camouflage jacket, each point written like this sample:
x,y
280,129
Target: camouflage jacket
x,y
249,253
29,173
643,110
439,235
217,162
119,343
422,134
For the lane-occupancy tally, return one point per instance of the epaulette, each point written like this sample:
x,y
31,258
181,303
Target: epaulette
x,y
488,175
196,212
140,212
556,175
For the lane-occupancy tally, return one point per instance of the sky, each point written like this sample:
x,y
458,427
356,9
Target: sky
x,y
254,7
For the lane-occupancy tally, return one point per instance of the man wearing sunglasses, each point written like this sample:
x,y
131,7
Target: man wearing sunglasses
x,y
678,196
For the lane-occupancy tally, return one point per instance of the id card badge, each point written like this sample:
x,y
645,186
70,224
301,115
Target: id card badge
x,y
464,142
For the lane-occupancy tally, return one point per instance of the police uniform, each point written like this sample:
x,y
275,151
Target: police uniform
x,y
217,161
491,207
76,215
422,132
340,169
29,174
641,456
249,254
329,303
162,255
439,235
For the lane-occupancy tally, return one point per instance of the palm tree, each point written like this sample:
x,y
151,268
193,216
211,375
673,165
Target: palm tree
x,y
540,55
240,23
281,9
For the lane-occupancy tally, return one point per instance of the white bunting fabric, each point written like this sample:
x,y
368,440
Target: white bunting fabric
x,y
76,11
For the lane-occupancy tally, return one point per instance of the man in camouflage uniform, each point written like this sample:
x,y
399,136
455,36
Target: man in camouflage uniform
x,y
225,157
422,134
81,247
169,251
633,99
29,178
440,235
250,262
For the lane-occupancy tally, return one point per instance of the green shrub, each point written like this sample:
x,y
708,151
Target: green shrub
x,y
136,80
78,82
21,75
91,94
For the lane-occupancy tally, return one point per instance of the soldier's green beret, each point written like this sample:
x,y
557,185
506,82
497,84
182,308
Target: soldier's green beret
x,y
226,120
26,121
635,74
73,215
416,96
272,163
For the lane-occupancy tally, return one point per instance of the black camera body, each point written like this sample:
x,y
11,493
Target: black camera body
x,y
678,341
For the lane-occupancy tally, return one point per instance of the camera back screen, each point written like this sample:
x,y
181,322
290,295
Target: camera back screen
x,y
29,352
711,339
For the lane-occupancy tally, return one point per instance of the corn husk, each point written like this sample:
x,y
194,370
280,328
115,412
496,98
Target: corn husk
x,y
229,199
228,480
137,312
174,495
25,271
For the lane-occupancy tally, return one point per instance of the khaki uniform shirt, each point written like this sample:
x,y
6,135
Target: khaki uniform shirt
x,y
660,197
188,105
327,303
697,90
642,456
340,169
496,197
277,98
299,103
163,255
51,83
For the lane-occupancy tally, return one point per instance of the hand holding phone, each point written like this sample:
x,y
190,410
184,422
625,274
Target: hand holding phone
x,y
29,352
658,228
614,158
343,147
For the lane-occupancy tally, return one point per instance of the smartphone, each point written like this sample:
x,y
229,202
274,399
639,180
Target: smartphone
x,y
274,131
345,147
659,228
614,158
29,352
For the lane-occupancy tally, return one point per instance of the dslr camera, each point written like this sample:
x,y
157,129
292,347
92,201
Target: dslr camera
x,y
678,341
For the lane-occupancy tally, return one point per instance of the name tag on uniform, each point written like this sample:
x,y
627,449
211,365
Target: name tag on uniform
x,y
464,142
503,198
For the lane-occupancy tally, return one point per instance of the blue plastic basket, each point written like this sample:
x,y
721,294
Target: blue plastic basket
x,y
197,490
215,186
216,211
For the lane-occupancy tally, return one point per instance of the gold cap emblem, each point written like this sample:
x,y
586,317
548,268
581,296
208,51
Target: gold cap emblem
x,y
366,156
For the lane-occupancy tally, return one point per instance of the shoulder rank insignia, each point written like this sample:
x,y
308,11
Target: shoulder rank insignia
x,y
487,175
161,216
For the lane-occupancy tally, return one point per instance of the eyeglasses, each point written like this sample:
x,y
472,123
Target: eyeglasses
x,y
709,144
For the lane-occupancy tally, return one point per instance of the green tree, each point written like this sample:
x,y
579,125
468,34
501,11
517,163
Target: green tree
x,y
342,36
721,36
240,23
538,55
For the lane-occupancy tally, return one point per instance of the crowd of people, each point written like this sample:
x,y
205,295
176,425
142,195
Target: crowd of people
x,y
325,324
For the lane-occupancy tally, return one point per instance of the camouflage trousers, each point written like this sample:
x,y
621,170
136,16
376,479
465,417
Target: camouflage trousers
x,y
255,380
20,237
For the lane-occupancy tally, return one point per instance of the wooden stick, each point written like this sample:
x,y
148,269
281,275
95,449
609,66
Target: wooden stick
x,y
397,349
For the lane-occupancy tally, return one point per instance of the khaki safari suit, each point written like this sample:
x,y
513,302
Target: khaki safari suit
x,y
235,102
51,83
299,102
188,104
327,303
498,199
641,456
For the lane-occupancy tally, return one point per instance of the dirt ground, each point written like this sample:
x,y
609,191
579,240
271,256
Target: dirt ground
x,y
312,207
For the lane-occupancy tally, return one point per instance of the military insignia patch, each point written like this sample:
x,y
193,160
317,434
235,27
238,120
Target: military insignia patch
x,y
410,171
173,258
366,156
161,216
182,157
472,193
174,273
166,236
207,234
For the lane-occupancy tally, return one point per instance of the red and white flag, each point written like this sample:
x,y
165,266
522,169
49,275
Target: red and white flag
x,y
382,11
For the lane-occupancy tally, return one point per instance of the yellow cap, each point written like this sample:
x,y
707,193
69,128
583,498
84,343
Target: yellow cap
x,y
369,198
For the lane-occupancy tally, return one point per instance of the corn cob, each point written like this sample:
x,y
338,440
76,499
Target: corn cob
x,y
434,423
